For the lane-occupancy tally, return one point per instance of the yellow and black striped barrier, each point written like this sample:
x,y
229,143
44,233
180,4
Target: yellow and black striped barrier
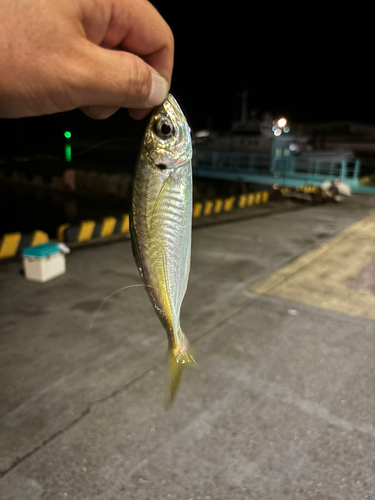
x,y
219,205
109,226
88,229
368,179
12,244
307,189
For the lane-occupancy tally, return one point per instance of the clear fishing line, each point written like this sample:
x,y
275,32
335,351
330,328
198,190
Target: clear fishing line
x,y
95,315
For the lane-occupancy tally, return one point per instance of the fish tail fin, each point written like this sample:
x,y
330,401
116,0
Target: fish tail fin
x,y
178,359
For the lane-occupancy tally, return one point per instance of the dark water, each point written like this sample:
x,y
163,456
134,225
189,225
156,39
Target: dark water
x,y
25,209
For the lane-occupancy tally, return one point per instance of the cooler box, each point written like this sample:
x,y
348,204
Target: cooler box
x,y
44,262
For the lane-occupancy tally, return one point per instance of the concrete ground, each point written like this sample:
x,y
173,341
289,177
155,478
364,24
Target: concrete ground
x,y
280,406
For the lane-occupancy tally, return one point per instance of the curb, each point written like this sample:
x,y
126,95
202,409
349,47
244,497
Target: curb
x,y
368,179
89,229
219,205
304,189
110,226
12,244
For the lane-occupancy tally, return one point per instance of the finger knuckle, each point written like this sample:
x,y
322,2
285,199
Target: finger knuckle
x,y
139,84
170,38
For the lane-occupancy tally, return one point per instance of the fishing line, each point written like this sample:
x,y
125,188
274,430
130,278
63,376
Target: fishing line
x,y
101,143
53,157
102,304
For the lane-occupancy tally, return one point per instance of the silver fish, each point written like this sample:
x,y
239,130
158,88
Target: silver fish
x,y
160,224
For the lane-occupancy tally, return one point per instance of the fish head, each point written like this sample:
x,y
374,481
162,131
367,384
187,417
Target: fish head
x,y
167,139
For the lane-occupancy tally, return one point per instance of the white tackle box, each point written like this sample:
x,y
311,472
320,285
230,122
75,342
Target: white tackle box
x,y
44,262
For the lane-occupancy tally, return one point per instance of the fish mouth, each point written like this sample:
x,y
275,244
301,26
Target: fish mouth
x,y
170,101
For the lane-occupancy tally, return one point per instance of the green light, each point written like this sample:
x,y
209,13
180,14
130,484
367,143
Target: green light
x,y
67,134
68,153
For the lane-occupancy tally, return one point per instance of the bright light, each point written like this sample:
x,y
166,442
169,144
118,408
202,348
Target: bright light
x,y
202,133
286,129
282,122
67,134
275,127
293,147
277,132
68,153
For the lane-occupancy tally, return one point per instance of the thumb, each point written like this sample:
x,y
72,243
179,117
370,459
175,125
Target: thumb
x,y
112,79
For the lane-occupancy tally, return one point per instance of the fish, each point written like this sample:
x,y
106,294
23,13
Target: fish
x,y
160,225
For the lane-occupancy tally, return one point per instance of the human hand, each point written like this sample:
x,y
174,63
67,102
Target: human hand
x,y
55,56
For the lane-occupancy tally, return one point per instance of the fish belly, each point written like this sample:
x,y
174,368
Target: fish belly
x,y
161,222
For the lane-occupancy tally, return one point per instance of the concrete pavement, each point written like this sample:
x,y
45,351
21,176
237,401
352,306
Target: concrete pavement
x,y
280,406
338,275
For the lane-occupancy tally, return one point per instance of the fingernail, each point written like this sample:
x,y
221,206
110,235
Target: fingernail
x,y
159,90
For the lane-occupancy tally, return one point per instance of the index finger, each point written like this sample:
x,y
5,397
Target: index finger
x,y
151,38
134,26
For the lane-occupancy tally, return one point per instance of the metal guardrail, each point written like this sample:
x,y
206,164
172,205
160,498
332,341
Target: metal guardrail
x,y
258,162
307,168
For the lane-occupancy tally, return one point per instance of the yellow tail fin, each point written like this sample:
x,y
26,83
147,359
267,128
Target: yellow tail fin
x,y
176,365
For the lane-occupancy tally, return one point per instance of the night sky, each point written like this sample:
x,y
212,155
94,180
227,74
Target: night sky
x,y
307,66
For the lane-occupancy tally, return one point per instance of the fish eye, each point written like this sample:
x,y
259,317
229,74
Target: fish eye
x,y
164,128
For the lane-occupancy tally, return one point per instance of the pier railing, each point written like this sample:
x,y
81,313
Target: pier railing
x,y
305,167
258,162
